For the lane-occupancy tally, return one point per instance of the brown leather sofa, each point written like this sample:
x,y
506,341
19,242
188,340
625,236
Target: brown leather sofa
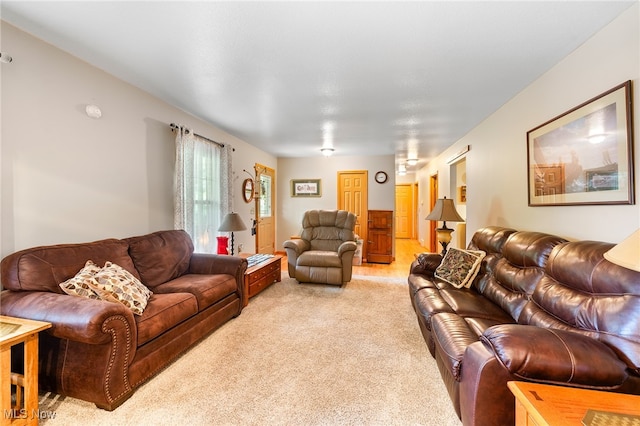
x,y
541,309
100,351
324,252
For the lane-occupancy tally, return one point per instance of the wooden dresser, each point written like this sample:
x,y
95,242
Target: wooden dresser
x,y
380,236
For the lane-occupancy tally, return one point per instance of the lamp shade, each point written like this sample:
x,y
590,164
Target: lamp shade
x,y
444,211
627,253
232,222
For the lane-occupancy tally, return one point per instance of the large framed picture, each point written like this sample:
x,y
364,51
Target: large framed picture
x,y
584,156
305,188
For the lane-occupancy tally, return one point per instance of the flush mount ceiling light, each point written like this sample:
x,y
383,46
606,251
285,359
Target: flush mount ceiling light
x,y
93,111
412,161
327,151
4,58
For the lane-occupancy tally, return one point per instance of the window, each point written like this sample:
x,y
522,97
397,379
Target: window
x,y
202,190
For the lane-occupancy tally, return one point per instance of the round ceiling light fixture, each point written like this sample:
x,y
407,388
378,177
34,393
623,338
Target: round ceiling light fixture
x,y
327,151
4,58
93,111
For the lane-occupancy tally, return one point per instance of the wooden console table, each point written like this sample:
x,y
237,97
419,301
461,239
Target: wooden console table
x,y
540,405
260,276
12,332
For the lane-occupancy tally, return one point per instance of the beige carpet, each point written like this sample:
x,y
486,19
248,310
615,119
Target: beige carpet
x,y
299,354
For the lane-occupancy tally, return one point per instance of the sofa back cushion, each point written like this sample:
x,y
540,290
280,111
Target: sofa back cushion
x,y
490,240
44,268
515,275
583,292
161,256
327,229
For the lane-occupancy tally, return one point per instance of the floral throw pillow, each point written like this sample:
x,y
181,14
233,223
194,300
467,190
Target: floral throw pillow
x,y
79,284
460,267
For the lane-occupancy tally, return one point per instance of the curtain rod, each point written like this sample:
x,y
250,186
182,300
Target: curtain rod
x,y
174,127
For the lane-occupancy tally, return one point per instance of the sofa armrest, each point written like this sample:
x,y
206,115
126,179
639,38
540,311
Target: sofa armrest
x,y
347,246
426,264
298,246
88,349
74,318
556,356
294,248
212,264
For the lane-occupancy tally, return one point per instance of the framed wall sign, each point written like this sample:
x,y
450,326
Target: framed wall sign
x,y
584,156
305,188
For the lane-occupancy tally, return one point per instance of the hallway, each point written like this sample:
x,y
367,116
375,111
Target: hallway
x,y
406,250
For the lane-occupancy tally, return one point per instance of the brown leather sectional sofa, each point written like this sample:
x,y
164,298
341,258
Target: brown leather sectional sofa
x,y
100,351
541,309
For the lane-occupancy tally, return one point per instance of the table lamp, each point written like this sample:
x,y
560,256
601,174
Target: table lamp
x,y
627,253
444,211
231,223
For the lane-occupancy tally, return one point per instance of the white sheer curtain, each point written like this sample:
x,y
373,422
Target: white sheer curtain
x,y
202,188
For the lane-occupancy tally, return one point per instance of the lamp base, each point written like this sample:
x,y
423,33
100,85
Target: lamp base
x,y
444,237
444,248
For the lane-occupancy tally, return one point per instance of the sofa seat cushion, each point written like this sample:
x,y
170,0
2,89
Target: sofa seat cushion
x,y
207,289
480,325
452,335
327,259
163,312
467,303
418,282
428,302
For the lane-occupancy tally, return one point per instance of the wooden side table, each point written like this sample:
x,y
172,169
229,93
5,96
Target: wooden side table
x,y
260,276
541,405
12,332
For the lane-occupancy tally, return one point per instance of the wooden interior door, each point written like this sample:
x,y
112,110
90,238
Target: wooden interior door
x,y
404,211
415,211
352,196
265,209
433,197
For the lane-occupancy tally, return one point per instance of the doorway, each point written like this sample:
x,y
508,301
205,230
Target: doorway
x,y
405,211
265,223
433,197
352,196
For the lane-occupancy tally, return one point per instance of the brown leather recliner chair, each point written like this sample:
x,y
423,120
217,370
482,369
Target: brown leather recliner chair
x,y
324,252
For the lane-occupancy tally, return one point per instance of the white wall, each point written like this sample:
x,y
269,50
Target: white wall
x,y
496,165
291,209
69,178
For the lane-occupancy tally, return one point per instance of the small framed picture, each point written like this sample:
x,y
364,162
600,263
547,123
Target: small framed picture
x,y
305,188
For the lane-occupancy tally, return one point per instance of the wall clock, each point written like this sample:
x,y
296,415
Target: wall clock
x,y
381,177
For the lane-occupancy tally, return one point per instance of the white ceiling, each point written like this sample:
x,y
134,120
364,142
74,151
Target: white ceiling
x,y
378,78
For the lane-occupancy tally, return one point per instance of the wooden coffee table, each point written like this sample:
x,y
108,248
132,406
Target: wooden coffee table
x,y
260,276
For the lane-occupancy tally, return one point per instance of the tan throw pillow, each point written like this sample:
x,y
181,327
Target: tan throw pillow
x,y
460,267
79,284
116,284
